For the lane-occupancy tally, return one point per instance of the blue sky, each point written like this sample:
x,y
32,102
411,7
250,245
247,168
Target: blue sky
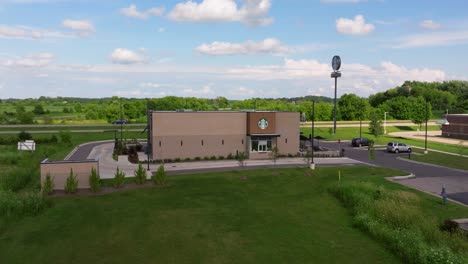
x,y
233,48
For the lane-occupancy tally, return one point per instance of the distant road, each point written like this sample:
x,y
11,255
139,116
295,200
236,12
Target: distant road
x,y
72,131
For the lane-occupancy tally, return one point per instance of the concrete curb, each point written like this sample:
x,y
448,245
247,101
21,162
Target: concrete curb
x,y
84,144
397,178
429,164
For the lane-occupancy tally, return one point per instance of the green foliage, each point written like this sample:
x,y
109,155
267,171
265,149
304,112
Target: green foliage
x,y
160,177
71,183
48,185
274,154
352,107
65,137
140,174
39,110
119,178
17,178
418,111
240,157
395,219
23,136
375,125
25,117
24,204
94,180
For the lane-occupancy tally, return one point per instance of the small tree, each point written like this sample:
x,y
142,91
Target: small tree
x,y
241,156
71,184
94,181
375,125
119,178
274,154
65,137
23,135
160,178
140,174
48,185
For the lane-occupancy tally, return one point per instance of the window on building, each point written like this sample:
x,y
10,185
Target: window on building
x,y
260,144
242,141
286,140
202,142
159,143
222,142
181,143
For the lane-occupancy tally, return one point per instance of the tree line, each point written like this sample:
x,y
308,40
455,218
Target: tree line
x,y
405,102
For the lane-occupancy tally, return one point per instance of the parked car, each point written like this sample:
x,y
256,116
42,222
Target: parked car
x,y
120,122
359,142
398,147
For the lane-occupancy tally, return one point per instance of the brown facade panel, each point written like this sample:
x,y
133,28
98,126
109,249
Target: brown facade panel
x,y
457,126
254,118
61,170
288,128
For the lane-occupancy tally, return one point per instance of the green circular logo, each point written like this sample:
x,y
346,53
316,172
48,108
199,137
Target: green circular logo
x,y
263,123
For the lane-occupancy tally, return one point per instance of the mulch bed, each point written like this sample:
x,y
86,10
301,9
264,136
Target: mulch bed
x,y
104,190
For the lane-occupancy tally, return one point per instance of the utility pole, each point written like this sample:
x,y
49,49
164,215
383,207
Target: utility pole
x,y
425,138
385,123
360,122
312,164
121,122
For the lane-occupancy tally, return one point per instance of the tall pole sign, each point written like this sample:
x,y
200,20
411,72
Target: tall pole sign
x,y
336,64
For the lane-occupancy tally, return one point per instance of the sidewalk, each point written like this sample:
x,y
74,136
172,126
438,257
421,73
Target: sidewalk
x,y
108,166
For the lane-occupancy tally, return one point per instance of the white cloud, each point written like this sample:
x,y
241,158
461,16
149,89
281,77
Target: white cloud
x,y
130,93
125,56
342,1
161,30
31,61
150,84
433,39
429,24
132,11
24,32
269,46
242,91
84,27
357,26
203,92
252,13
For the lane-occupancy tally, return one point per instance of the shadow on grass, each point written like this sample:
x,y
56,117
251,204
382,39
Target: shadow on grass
x,y
405,128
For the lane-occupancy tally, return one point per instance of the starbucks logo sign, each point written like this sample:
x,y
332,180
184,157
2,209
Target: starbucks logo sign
x,y
263,123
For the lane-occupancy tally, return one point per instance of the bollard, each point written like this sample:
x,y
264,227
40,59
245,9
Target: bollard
x,y
444,195
409,154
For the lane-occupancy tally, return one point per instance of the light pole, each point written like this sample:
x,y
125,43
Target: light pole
x,y
425,137
149,135
336,64
385,123
360,122
312,164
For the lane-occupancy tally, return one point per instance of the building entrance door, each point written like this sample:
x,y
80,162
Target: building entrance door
x,y
262,145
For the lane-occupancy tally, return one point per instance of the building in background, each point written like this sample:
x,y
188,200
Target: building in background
x,y
456,126
192,134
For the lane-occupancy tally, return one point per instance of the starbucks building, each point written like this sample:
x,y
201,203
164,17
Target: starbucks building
x,y
200,134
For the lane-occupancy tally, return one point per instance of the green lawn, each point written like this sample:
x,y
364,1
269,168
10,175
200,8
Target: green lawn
x,y
452,161
272,216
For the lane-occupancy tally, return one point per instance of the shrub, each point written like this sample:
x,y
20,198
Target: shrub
x,y
16,178
240,157
206,158
71,184
13,204
187,159
230,156
221,157
23,135
213,157
119,178
177,160
197,158
94,181
48,186
140,174
160,178
65,137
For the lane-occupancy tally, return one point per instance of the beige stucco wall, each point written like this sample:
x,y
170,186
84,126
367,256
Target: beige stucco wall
x,y
170,128
287,125
60,170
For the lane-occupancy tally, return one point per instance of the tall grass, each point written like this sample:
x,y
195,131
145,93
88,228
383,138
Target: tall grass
x,y
14,204
396,219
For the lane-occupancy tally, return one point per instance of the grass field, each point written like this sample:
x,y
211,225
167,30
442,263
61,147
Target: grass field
x,y
452,161
272,216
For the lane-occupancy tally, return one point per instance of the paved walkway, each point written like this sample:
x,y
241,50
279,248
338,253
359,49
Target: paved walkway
x,y
108,166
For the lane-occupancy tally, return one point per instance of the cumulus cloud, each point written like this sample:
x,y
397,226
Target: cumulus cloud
x,y
202,92
132,11
83,27
150,84
125,56
268,46
357,26
242,91
429,24
433,39
31,61
252,13
30,33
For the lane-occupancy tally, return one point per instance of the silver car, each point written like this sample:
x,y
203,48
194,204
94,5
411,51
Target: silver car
x,y
398,147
